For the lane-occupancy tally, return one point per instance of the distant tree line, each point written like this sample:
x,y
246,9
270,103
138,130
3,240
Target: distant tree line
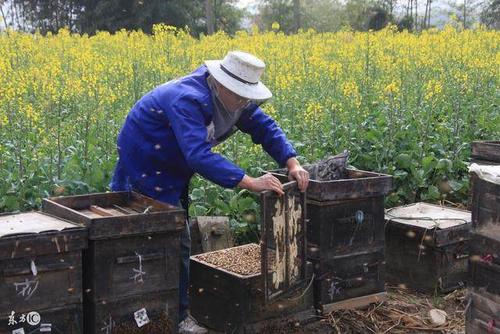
x,y
209,16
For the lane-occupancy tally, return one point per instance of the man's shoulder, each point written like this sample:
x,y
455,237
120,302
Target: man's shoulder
x,y
191,88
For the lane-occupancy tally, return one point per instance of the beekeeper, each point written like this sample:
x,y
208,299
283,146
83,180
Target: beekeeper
x,y
169,134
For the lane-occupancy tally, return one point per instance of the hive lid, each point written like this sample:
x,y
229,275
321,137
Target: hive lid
x,y
428,216
489,173
31,223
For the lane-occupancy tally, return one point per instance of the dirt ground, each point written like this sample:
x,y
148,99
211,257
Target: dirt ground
x,y
403,312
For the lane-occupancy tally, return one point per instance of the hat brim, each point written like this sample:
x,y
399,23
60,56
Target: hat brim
x,y
258,92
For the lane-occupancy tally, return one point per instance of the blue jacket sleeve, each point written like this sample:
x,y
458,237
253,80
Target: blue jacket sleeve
x,y
188,124
266,132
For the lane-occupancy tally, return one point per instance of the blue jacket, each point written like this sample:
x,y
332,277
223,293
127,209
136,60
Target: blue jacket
x,y
164,141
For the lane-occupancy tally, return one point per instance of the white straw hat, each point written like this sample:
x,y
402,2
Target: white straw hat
x,y
240,73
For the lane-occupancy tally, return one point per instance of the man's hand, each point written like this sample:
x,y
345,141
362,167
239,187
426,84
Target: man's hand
x,y
296,172
265,182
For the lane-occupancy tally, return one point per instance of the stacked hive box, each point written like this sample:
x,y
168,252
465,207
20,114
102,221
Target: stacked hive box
x,y
277,290
345,235
131,267
427,247
40,274
486,152
483,314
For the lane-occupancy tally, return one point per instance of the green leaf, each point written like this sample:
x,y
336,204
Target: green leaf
x,y
400,174
233,203
197,194
444,165
245,204
428,163
433,193
403,161
455,185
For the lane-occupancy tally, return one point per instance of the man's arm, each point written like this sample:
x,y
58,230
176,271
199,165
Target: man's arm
x,y
266,132
188,124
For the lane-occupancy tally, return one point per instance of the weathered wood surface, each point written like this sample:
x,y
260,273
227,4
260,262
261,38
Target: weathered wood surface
x,y
213,233
355,303
483,312
349,276
229,303
148,215
341,227
486,151
118,316
358,184
131,266
427,260
485,202
58,282
60,320
484,263
40,262
283,236
35,234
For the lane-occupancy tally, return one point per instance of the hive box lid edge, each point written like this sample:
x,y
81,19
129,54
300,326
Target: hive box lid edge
x,y
158,216
33,234
33,223
433,216
359,184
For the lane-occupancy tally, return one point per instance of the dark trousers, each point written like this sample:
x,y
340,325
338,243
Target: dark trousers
x,y
184,273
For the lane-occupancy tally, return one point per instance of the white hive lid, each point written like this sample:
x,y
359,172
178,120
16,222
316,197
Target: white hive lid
x,y
428,216
31,222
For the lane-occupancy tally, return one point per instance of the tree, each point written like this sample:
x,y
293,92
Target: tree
x,y
280,11
43,15
466,11
227,17
490,15
378,18
113,15
358,13
323,15
427,16
297,15
209,10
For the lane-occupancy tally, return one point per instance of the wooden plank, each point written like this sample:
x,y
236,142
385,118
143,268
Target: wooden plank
x,y
360,184
161,218
132,265
58,282
215,232
485,202
486,150
355,303
101,211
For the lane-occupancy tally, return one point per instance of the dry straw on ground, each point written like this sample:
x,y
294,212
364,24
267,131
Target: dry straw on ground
x,y
403,312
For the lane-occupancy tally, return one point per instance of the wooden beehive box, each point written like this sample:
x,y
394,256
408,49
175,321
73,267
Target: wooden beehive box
x,y
485,198
427,247
486,152
279,287
485,258
483,312
131,267
40,273
345,235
